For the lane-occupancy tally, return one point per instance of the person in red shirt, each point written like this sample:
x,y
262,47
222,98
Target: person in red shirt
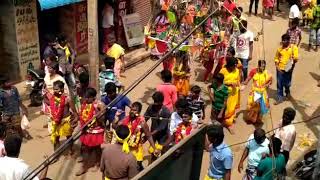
x,y
230,5
168,90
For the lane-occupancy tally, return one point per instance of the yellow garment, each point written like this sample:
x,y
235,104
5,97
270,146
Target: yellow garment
x,y
259,80
67,52
308,13
233,101
158,147
63,129
283,56
209,178
137,152
115,51
125,145
182,84
314,3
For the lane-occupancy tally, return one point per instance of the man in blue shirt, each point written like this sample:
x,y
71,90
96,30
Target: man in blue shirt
x,y
119,106
256,148
221,157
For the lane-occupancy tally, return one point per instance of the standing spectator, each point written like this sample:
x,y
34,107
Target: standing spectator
x,y
160,116
256,4
117,52
10,103
117,162
273,166
221,158
287,132
108,26
294,12
108,75
257,146
285,59
196,102
314,37
81,88
244,47
119,107
11,167
295,32
168,90
176,117
230,5
218,93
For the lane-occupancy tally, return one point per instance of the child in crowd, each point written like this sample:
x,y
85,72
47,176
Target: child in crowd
x,y
268,7
92,137
181,74
2,137
108,75
138,127
295,32
218,93
81,88
10,104
60,105
196,102
185,127
117,52
160,116
168,90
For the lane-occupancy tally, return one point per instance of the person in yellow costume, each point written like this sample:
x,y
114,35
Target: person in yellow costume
x,y
138,127
262,79
59,106
181,74
232,80
117,52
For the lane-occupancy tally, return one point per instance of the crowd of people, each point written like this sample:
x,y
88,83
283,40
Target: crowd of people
x,y
113,138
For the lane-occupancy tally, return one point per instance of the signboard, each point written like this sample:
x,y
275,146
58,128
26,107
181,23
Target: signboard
x,y
81,28
27,36
133,29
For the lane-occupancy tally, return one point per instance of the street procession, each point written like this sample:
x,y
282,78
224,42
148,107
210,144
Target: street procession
x,y
159,89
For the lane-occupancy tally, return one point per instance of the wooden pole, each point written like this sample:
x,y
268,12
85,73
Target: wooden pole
x,y
93,42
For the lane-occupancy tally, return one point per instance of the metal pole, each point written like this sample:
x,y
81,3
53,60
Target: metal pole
x,y
316,171
93,42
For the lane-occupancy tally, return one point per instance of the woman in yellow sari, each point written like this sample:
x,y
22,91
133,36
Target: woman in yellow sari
x,y
262,79
181,74
232,81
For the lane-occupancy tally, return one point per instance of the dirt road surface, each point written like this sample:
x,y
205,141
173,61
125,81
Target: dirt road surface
x,y
304,91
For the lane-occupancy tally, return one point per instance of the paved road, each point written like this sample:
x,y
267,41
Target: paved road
x,y
304,92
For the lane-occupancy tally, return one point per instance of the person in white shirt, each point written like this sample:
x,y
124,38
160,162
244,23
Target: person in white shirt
x,y
176,117
287,132
108,26
294,12
244,47
11,167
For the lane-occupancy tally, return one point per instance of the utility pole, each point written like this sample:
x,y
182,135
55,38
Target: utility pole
x,y
93,42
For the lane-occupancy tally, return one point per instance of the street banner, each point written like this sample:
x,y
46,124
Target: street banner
x,y
133,29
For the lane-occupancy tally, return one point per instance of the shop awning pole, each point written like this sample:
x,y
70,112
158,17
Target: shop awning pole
x,y
93,42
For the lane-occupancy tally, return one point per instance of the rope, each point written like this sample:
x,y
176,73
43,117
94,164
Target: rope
x,y
78,133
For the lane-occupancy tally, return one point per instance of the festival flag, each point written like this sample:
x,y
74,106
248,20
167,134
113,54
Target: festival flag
x,y
161,46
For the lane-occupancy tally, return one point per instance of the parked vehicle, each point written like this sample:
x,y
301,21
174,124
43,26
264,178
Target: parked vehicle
x,y
36,81
304,169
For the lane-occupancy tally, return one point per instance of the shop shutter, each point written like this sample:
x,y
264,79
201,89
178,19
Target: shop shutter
x,y
143,8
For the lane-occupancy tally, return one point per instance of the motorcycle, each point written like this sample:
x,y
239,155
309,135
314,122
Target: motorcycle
x,y
36,82
304,169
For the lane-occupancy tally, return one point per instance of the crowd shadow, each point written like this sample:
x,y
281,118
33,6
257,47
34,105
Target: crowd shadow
x,y
304,46
315,76
147,94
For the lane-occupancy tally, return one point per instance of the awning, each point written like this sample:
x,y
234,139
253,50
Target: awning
x,y
49,4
